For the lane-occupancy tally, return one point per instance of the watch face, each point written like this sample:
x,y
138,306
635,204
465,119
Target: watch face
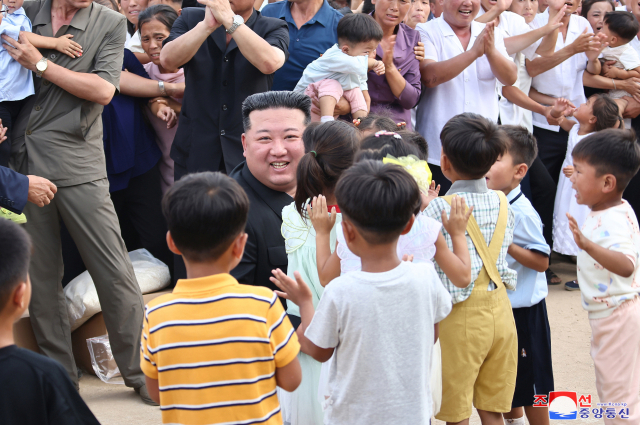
x,y
238,20
41,66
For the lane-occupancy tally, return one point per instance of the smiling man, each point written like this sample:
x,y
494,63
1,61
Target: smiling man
x,y
463,61
272,141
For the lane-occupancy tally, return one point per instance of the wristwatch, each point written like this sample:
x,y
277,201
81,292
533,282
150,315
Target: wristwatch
x,y
237,21
41,67
163,91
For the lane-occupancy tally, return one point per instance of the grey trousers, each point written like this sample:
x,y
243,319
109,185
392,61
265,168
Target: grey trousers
x,y
88,213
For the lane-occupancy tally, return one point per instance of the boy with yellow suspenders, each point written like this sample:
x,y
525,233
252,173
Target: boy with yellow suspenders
x,y
478,338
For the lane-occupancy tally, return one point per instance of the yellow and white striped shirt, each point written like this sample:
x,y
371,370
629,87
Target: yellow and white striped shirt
x,y
214,346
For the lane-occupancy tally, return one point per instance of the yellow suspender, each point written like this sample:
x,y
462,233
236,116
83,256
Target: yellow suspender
x,y
489,254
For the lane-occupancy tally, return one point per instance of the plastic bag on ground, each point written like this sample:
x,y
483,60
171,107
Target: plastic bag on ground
x,y
82,298
104,365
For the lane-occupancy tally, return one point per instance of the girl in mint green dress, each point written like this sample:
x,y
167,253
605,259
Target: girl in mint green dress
x,y
330,150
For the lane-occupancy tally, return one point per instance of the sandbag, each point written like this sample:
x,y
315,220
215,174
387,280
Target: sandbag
x,y
82,298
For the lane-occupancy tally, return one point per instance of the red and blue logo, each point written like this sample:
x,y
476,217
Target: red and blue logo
x,y
563,405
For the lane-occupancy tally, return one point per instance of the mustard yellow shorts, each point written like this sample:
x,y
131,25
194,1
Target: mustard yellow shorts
x,y
479,356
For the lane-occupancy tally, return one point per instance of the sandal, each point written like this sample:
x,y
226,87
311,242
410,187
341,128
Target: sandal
x,y
552,278
572,285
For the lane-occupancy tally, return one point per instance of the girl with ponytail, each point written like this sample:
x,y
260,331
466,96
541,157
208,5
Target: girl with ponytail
x,y
330,148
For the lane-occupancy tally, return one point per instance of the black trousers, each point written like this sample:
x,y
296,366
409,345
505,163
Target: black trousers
x,y
9,111
440,179
543,196
141,223
552,148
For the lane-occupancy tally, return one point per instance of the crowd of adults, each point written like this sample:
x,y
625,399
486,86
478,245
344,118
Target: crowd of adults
x,y
158,93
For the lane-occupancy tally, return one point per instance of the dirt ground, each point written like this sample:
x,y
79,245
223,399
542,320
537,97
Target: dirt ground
x,y
572,365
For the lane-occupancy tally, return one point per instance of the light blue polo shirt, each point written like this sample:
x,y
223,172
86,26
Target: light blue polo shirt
x,y
305,44
527,233
15,80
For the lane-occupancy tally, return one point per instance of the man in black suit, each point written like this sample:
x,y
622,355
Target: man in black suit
x,y
272,142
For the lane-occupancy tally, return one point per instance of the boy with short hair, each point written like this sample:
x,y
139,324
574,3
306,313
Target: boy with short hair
x,y
478,339
379,323
34,390
608,265
528,255
215,348
342,69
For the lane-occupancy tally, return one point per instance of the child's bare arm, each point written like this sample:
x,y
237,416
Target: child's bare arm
x,y
531,259
457,264
328,264
289,377
298,291
153,388
142,57
62,44
615,262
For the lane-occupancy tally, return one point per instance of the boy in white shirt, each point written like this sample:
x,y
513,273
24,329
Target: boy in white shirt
x,y
608,265
342,70
379,323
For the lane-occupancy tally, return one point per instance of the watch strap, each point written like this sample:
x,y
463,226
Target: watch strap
x,y
163,91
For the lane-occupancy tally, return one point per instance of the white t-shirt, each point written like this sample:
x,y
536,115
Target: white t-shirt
x,y
382,327
616,229
473,90
565,80
334,64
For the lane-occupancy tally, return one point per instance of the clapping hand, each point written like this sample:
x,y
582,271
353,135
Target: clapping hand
x,y
295,290
458,216
432,194
321,220
568,171
580,239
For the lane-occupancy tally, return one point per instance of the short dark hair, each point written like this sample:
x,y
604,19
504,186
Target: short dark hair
x,y
205,212
472,144
14,261
274,100
623,24
164,14
330,147
606,111
416,139
586,6
111,4
358,28
377,147
379,199
611,151
521,145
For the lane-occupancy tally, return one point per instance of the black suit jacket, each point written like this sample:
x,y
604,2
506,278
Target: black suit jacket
x,y
14,190
265,249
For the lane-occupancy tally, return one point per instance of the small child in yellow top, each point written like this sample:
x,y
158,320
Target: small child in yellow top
x,y
478,339
214,350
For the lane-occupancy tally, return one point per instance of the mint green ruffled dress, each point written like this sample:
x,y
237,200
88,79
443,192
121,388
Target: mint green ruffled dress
x,y
302,407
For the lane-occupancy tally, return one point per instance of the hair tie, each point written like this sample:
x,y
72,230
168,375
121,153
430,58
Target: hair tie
x,y
314,153
401,124
356,122
388,133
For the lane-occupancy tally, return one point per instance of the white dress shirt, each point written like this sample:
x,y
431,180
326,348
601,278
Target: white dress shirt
x,y
512,24
473,90
565,80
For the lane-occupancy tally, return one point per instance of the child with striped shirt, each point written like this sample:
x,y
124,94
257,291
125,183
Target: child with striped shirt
x,y
214,350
